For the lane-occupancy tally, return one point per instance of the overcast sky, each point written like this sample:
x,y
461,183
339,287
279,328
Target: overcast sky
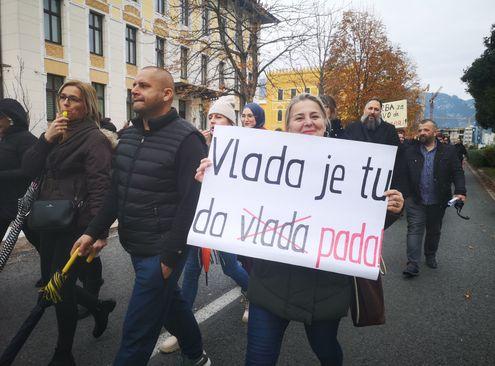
x,y
442,37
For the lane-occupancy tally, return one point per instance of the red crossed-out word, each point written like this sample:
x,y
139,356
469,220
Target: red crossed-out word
x,y
274,228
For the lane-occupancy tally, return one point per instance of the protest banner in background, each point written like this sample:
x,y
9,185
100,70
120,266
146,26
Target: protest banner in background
x,y
395,113
293,198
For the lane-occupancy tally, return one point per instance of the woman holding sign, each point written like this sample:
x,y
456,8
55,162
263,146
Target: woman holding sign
x,y
279,292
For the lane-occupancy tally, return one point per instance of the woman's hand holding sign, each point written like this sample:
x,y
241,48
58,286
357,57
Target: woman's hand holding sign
x,y
200,172
395,201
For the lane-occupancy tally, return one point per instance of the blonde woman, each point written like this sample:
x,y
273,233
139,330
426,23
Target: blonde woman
x,y
73,158
279,292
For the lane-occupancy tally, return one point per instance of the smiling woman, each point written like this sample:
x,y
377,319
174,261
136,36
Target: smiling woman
x,y
306,115
280,292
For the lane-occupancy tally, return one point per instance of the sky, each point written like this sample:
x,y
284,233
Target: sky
x,y
441,37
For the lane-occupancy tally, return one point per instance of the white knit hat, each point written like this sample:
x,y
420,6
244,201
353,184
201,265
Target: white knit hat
x,y
224,108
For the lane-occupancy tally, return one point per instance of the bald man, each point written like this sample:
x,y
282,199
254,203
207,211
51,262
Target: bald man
x,y
154,196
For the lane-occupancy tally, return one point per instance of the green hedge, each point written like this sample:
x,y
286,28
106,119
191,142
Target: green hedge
x,y
482,157
489,154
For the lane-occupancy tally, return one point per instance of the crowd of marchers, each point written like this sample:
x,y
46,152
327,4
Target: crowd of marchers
x,y
148,177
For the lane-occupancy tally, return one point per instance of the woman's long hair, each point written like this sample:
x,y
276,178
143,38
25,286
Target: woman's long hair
x,y
301,98
88,95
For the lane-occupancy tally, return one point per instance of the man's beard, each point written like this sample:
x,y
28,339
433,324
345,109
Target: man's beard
x,y
426,139
370,123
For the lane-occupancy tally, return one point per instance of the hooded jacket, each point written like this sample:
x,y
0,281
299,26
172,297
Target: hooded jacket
x,y
13,182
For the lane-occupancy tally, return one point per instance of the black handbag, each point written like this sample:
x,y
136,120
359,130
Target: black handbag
x,y
367,305
52,215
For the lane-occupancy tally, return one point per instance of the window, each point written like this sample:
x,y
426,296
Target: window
x,y
100,96
128,102
161,6
96,33
130,42
279,115
184,12
204,69
236,81
52,20
182,108
203,120
293,93
183,62
221,75
205,18
160,52
53,84
307,90
280,94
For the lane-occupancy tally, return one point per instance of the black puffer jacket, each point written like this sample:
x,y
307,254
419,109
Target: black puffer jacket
x,y
154,194
13,145
299,293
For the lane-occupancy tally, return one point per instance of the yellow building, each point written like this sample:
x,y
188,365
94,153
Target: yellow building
x,y
281,87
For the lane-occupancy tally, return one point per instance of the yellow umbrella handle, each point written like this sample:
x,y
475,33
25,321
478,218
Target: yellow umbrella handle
x,y
73,258
91,255
71,261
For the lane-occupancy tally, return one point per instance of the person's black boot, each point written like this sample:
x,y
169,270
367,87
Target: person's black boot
x,y
103,309
93,287
62,359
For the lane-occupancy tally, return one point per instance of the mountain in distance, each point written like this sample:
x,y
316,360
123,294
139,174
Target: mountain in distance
x,y
451,111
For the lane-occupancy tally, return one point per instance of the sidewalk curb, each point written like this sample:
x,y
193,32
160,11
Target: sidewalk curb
x,y
487,182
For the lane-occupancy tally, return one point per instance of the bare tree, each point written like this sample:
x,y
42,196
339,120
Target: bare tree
x,y
17,90
241,39
308,61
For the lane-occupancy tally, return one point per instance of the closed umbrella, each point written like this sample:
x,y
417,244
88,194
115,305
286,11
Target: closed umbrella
x,y
23,209
49,295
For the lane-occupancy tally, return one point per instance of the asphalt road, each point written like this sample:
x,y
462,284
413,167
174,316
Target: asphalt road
x,y
443,317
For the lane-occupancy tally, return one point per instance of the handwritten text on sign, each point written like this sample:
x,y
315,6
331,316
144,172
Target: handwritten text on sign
x,y
298,199
395,113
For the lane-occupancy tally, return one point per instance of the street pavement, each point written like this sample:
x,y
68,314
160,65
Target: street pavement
x,y
443,317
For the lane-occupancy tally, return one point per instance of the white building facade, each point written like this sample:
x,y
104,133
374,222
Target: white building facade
x,y
104,42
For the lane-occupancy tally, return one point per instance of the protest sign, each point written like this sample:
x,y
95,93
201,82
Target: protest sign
x,y
395,113
293,198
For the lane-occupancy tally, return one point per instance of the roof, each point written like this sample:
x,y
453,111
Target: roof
x,y
254,5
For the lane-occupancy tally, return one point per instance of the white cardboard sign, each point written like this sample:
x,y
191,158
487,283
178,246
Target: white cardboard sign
x,y
309,201
395,113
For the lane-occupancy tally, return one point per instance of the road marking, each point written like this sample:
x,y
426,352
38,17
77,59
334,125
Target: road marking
x,y
205,313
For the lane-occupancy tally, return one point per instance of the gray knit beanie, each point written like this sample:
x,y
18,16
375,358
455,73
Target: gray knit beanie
x,y
224,108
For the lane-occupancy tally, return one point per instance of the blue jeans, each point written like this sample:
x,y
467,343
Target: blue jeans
x,y
266,331
154,303
192,271
421,218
